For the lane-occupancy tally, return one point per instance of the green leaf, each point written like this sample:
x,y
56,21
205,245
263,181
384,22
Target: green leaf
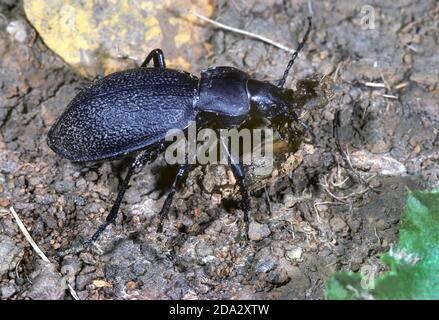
x,y
414,262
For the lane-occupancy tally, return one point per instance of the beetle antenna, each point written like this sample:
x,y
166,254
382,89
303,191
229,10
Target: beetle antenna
x,y
281,82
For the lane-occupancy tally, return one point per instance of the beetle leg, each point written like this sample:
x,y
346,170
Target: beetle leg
x,y
111,217
304,125
158,58
182,170
308,129
138,162
239,173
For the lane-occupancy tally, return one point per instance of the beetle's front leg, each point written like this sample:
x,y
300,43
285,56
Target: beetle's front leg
x,y
291,131
308,129
239,173
303,124
182,170
158,58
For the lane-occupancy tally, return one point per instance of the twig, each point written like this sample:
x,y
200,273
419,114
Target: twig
x,y
401,85
388,96
331,194
376,235
410,25
28,236
3,17
345,154
35,246
325,186
292,229
310,9
384,80
375,84
16,268
413,48
339,183
316,204
243,32
334,77
319,220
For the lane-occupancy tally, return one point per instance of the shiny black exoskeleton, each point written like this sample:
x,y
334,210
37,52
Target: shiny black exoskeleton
x,y
130,112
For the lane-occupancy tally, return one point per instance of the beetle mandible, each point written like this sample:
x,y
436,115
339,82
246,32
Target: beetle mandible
x,y
130,112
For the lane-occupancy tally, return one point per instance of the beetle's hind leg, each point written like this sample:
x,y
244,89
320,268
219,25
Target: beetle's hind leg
x,y
158,58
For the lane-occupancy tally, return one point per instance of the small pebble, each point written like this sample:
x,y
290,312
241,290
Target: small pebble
x,y
17,29
257,231
294,254
337,224
7,291
263,266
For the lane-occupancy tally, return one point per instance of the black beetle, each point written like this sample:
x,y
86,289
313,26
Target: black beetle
x,y
131,111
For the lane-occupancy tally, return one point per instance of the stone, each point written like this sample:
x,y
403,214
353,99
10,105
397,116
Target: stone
x,y
294,254
7,291
265,265
337,224
296,288
47,283
9,254
257,231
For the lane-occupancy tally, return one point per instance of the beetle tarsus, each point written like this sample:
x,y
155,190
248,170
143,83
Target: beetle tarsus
x,y
96,235
245,203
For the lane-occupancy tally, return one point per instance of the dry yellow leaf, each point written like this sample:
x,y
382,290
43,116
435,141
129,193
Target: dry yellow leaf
x,y
92,36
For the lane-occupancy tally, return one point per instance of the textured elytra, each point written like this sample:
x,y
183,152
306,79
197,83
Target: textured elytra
x,y
124,112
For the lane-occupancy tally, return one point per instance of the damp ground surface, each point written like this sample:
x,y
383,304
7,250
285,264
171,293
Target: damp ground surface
x,y
330,213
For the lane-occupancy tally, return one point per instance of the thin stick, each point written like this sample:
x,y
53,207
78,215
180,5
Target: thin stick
x,y
341,198
375,84
243,32
35,246
401,85
389,96
28,236
310,9
376,234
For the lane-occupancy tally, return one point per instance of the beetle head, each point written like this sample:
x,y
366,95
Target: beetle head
x,y
268,100
285,106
